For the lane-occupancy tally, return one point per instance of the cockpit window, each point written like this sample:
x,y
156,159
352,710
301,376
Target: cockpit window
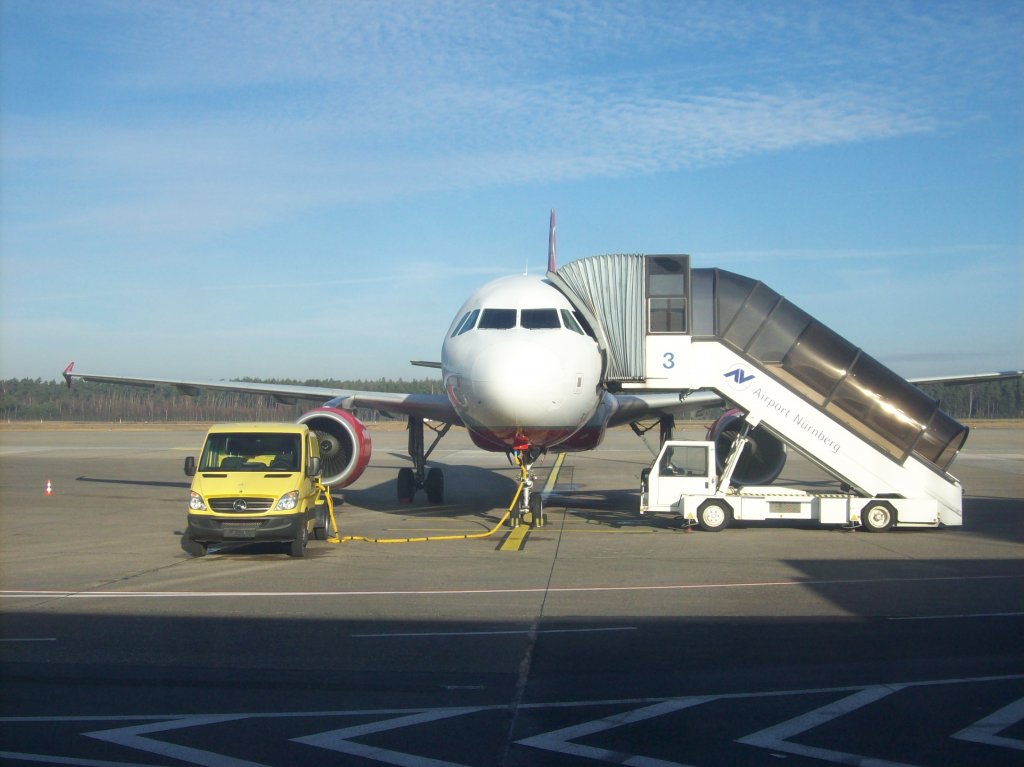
x,y
497,319
467,323
570,322
539,319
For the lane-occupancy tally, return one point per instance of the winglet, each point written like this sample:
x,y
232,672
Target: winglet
x,y
552,244
67,373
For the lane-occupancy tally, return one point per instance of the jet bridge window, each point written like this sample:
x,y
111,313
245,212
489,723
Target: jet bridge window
x,y
667,290
497,319
539,319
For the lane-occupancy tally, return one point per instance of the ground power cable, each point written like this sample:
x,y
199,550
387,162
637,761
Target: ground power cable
x,y
338,538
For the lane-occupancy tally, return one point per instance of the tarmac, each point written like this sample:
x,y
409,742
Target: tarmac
x,y
604,636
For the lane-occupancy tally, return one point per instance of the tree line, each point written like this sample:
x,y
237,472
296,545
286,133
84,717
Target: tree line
x,y
38,400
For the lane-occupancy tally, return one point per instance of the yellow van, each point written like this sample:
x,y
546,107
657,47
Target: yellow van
x,y
256,482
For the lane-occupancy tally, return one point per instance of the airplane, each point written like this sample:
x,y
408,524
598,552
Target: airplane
x,y
523,373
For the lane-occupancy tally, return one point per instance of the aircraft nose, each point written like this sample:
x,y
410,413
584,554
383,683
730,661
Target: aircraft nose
x,y
518,382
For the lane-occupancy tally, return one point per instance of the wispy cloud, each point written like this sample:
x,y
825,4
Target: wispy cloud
x,y
153,148
319,104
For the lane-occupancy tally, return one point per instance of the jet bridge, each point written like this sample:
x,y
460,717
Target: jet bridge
x,y
663,326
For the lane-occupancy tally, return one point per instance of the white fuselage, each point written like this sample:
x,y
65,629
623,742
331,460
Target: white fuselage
x,y
517,366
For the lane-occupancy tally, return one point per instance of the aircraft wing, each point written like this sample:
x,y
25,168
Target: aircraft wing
x,y
968,379
434,407
632,407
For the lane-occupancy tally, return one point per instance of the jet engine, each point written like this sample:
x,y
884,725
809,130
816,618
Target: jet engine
x,y
762,458
344,444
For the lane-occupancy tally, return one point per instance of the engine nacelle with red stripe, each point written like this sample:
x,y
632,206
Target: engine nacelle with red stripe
x,y
761,460
345,445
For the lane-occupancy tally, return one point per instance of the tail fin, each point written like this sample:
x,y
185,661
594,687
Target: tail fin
x,y
552,245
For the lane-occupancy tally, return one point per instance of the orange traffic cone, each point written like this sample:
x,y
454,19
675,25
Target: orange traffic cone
x,y
49,488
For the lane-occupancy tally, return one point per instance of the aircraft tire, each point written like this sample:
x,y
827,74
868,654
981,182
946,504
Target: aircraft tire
x,y
537,510
406,485
435,486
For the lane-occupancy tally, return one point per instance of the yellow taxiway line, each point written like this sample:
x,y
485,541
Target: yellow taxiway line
x,y
516,539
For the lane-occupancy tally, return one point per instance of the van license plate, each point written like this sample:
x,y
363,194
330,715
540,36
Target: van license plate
x,y
239,531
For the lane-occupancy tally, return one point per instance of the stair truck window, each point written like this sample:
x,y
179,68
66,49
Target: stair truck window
x,y
685,461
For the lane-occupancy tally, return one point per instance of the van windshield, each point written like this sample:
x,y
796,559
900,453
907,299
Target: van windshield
x,y
251,452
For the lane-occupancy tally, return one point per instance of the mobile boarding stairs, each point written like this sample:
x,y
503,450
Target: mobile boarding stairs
x,y
663,326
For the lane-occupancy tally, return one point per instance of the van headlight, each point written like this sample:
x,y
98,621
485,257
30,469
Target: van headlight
x,y
196,503
288,501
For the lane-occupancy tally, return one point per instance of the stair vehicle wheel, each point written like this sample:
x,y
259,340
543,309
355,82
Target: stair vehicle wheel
x,y
714,516
435,486
406,485
877,517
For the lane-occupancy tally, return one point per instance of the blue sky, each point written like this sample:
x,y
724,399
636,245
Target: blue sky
x,y
310,190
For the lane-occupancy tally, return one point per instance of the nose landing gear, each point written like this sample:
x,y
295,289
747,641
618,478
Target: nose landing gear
x,y
530,502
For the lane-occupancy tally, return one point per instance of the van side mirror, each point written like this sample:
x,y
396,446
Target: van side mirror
x,y
190,466
313,467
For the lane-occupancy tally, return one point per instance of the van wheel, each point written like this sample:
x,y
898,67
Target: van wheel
x,y
320,526
297,548
194,548
713,517
877,517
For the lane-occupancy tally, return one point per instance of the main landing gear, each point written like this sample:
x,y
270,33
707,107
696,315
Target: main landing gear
x,y
418,477
529,502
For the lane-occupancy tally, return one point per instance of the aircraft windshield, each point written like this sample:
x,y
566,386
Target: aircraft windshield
x,y
467,323
539,319
570,322
497,319
251,452
528,319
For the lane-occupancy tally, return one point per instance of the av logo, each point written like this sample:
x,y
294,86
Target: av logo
x,y
740,378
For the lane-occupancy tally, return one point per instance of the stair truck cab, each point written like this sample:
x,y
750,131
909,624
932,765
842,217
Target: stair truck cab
x,y
256,482
683,480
